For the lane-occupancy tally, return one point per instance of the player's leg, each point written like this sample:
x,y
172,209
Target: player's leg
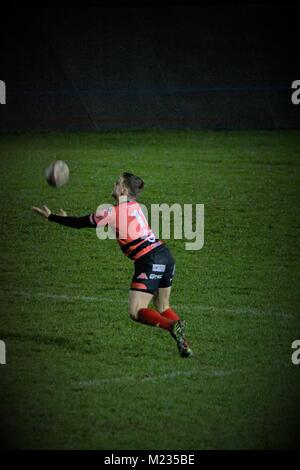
x,y
149,273
161,298
162,303
143,285
138,300
139,311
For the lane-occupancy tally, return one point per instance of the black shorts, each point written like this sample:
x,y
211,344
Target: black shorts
x,y
153,270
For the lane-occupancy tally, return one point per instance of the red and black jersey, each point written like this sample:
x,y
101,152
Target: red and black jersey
x,y
127,220
131,227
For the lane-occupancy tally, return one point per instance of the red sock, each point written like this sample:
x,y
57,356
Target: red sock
x,y
152,317
171,314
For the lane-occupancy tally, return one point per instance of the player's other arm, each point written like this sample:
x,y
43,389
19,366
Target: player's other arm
x,y
86,221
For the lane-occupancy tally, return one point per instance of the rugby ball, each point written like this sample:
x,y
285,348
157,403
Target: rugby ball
x,y
57,174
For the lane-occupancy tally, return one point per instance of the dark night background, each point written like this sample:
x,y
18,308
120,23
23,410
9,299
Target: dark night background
x,y
207,66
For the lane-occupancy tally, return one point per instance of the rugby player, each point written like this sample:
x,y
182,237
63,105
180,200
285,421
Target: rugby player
x,y
154,266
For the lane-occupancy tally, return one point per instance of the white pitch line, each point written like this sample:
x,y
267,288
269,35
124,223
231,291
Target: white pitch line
x,y
237,311
69,297
243,310
155,378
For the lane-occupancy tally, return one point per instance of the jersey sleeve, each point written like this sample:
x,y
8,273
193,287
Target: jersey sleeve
x,y
73,222
102,218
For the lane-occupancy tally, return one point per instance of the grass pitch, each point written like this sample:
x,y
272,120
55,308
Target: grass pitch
x,y
80,374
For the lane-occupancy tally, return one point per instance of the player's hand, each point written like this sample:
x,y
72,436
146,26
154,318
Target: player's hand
x,y
44,211
62,213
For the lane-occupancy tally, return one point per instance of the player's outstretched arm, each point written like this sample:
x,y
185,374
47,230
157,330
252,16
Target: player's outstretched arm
x,y
63,218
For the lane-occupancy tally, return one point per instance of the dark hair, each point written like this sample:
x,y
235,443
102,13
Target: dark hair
x,y
133,183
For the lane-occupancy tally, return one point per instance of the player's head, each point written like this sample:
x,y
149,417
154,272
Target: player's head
x,y
128,185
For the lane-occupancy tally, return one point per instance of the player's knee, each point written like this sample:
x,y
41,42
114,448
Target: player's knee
x,y
158,306
134,316
134,312
164,307
157,303
161,306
